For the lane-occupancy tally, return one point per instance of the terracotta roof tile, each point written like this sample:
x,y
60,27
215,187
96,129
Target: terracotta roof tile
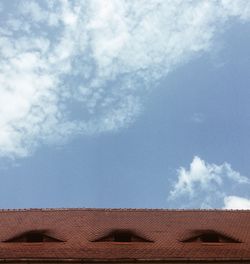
x,y
166,228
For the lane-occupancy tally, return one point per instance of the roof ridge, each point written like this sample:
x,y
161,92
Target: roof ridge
x,y
120,209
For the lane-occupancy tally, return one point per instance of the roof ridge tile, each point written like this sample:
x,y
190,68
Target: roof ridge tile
x,y
120,209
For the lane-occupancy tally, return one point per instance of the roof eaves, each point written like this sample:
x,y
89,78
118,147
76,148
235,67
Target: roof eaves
x,y
125,260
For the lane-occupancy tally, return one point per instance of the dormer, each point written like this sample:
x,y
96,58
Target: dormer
x,y
33,237
209,236
122,236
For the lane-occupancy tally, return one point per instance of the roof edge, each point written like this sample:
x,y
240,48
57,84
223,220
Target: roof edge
x,y
120,209
184,260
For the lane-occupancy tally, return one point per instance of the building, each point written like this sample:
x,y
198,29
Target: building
x,y
124,236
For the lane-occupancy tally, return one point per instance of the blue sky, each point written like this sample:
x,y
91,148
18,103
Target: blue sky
x,y
114,103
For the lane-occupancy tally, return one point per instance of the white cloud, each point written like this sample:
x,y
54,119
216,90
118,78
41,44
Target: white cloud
x,y
99,57
236,202
203,183
33,9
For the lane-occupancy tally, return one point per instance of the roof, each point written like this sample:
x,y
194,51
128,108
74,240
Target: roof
x,y
162,234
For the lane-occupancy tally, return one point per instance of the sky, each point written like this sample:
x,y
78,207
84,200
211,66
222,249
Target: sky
x,y
116,103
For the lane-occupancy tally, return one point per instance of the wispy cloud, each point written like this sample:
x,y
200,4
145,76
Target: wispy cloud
x,y
206,185
70,67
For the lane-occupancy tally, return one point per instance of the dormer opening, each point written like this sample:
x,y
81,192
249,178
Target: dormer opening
x,y
122,236
33,237
209,236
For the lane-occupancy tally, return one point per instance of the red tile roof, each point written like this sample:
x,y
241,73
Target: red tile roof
x,y
78,228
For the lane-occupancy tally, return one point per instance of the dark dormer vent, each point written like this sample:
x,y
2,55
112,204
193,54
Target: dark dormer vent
x,y
33,237
210,236
122,236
